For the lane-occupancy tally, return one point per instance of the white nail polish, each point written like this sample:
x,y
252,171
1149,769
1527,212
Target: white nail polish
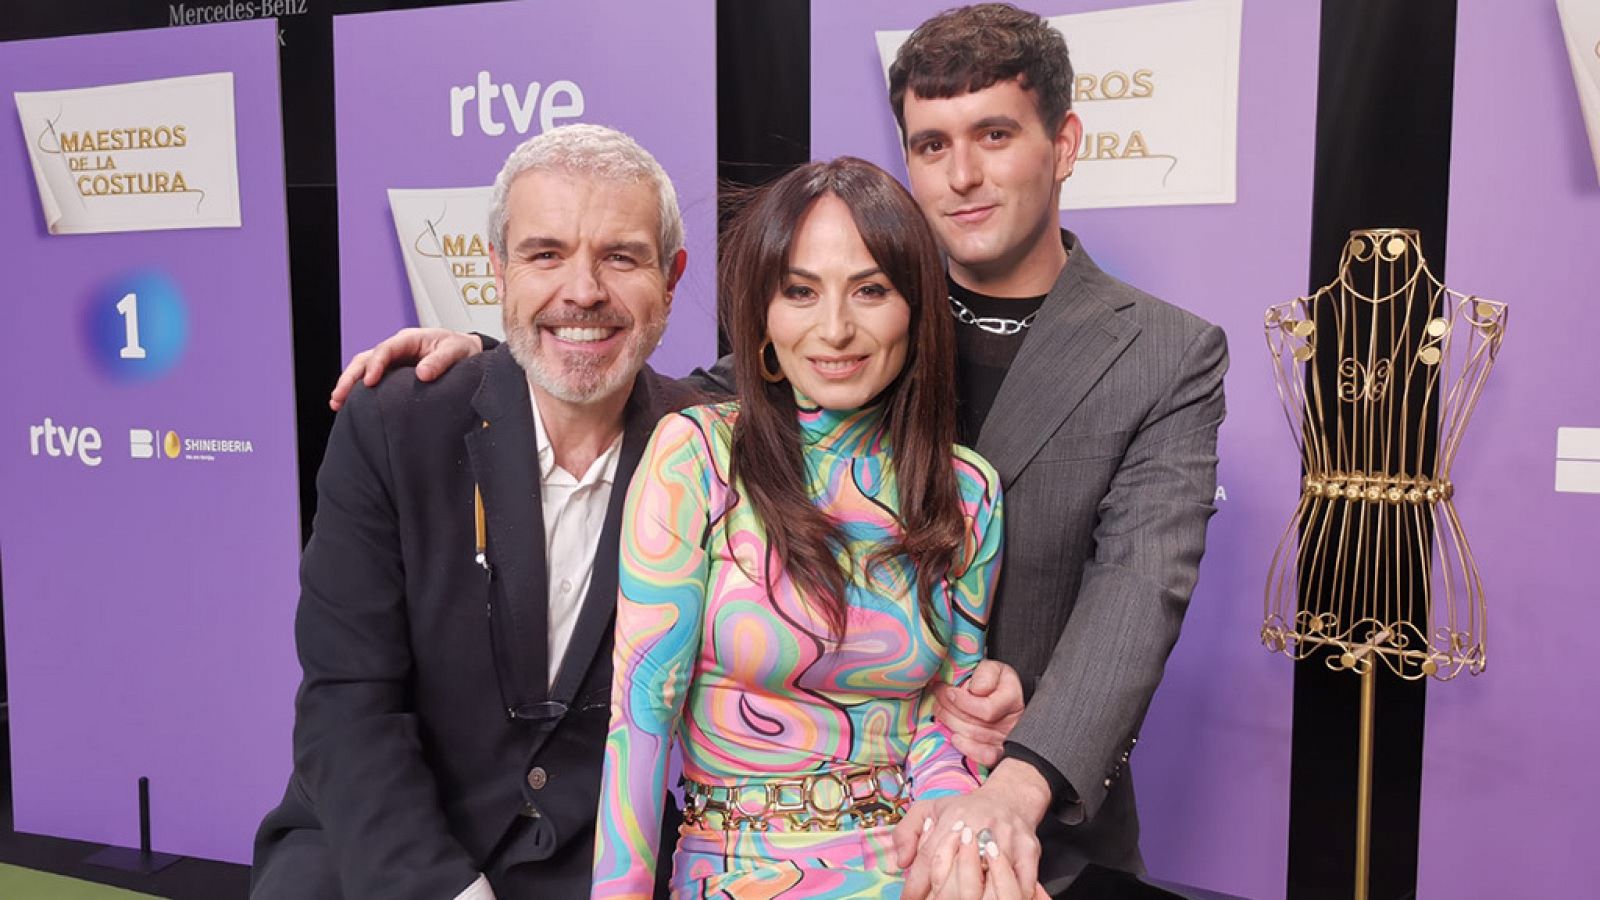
x,y
927,825
966,836
993,849
958,825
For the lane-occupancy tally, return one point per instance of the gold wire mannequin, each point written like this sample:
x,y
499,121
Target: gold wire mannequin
x,y
1375,539
1374,564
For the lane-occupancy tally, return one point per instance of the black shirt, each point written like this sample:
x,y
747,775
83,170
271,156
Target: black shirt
x,y
982,357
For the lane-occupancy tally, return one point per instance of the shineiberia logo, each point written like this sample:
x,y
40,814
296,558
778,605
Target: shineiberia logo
x,y
155,443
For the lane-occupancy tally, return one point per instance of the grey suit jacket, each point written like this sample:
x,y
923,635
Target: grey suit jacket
x,y
1104,433
1105,437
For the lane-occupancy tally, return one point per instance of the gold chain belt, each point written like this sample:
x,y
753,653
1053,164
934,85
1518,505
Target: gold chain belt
x,y
857,797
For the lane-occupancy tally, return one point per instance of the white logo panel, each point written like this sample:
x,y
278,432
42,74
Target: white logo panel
x,y
1578,460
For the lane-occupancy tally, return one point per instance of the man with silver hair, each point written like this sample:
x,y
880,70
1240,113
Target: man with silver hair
x,y
440,752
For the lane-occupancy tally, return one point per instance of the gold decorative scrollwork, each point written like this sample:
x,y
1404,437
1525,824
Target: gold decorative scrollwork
x,y
1387,246
1359,382
1403,649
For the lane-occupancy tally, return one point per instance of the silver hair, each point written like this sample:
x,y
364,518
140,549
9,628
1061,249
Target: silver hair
x,y
598,152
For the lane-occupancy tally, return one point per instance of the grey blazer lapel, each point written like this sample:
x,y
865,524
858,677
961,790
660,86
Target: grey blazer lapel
x,y
600,603
504,454
1079,333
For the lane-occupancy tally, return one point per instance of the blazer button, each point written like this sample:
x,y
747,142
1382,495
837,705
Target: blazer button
x,y
537,778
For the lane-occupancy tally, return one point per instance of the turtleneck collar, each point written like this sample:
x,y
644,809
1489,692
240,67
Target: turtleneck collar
x,y
843,432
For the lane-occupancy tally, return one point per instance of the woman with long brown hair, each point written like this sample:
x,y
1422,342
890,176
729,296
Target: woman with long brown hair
x,y
800,565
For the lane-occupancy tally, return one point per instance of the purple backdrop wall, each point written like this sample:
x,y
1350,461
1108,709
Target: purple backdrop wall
x,y
1213,763
1509,785
648,71
148,602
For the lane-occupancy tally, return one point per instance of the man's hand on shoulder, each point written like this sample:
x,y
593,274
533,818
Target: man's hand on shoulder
x,y
981,712
434,350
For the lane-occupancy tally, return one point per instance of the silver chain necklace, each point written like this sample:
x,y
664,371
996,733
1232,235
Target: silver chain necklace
x,y
991,324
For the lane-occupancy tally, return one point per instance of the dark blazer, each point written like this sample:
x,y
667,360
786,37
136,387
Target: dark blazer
x,y
427,746
1104,433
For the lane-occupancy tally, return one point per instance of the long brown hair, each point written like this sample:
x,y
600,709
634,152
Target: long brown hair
x,y
918,405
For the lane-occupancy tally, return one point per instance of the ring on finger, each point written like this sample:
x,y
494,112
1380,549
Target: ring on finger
x,y
985,840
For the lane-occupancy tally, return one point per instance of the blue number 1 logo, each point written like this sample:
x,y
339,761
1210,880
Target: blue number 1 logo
x,y
137,326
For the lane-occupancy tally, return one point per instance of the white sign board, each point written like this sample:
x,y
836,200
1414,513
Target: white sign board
x,y
1157,89
444,239
141,156
1580,22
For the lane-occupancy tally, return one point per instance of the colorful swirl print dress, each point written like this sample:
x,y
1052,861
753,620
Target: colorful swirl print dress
x,y
751,687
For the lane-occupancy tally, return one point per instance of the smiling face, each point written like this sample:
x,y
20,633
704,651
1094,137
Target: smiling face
x,y
584,293
839,328
987,174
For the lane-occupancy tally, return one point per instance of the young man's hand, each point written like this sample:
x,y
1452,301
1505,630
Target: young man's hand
x,y
434,350
981,713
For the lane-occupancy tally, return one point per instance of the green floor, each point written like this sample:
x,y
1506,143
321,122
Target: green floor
x,y
26,884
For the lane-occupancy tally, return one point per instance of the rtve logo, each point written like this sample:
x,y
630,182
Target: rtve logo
x,y
65,441
485,92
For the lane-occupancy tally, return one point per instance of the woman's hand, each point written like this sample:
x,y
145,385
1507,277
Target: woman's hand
x,y
434,350
982,871
1010,805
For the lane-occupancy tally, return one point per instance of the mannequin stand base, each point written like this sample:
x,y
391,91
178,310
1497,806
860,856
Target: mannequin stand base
x,y
128,859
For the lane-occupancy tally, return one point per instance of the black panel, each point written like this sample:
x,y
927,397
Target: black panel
x,y
763,88
763,95
1382,160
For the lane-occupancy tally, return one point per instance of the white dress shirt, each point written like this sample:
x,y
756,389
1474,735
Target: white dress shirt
x,y
574,516
478,890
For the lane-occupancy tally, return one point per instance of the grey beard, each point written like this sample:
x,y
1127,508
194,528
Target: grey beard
x,y
583,381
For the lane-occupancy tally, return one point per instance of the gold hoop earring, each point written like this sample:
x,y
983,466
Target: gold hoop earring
x,y
767,375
